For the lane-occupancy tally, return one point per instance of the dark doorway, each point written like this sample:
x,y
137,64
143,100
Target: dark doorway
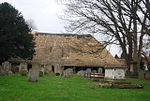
x,y
53,68
103,70
29,66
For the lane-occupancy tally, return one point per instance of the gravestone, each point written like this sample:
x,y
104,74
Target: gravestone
x,y
23,69
58,69
81,73
100,70
41,73
34,73
2,72
15,68
48,69
88,70
68,73
5,68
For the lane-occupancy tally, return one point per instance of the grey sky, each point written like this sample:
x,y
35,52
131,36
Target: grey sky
x,y
44,13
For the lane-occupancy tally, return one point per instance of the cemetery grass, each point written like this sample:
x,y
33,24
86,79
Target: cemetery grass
x,y
17,88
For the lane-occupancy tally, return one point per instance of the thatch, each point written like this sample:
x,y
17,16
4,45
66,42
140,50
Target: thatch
x,y
72,50
123,62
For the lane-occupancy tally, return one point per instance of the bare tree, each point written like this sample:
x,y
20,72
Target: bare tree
x,y
31,24
123,22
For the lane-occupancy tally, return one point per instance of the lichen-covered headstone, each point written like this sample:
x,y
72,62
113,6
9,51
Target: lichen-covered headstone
x,y
23,69
5,68
68,73
15,68
81,73
34,73
47,69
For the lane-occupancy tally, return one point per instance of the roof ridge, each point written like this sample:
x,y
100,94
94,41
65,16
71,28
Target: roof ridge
x,y
67,34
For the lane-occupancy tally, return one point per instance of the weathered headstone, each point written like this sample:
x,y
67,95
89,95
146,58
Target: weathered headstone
x,y
68,73
81,73
34,73
58,69
1,71
23,69
88,70
15,68
100,70
47,69
41,73
5,68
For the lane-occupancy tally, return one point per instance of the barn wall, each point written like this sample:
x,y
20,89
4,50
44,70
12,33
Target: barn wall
x,y
118,73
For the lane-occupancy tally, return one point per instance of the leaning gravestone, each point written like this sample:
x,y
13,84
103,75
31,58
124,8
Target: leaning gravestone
x,y
5,68
34,73
23,69
68,73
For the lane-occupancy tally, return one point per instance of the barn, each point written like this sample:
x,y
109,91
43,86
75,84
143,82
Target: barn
x,y
58,52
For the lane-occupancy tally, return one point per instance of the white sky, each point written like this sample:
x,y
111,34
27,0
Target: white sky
x,y
45,15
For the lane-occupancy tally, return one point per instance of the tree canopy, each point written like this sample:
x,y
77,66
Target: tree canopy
x,y
122,22
15,40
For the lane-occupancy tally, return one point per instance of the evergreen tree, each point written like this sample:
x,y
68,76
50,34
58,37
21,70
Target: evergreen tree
x,y
15,40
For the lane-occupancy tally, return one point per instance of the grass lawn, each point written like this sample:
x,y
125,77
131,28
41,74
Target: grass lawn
x,y
17,88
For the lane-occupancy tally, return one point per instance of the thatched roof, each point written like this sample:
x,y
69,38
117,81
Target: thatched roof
x,y
123,62
72,50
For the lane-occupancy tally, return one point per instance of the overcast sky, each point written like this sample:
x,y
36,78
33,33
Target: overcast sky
x,y
45,15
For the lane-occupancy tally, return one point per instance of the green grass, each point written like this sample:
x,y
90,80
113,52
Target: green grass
x,y
17,88
146,83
